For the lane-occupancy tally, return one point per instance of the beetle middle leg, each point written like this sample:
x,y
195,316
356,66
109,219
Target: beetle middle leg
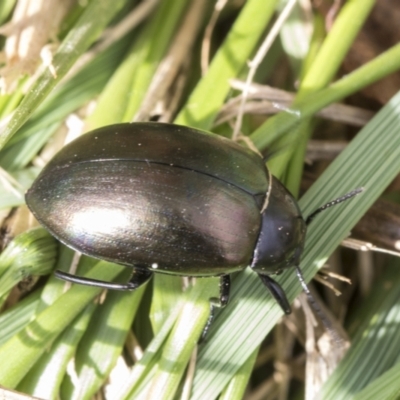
x,y
138,278
222,301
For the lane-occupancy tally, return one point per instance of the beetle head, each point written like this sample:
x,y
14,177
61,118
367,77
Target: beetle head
x,y
283,229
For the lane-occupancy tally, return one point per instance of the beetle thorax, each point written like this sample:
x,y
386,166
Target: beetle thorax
x,y
282,234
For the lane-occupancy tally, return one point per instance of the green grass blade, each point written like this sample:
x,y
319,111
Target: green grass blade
x,y
336,45
63,100
207,98
18,316
23,350
321,72
13,193
103,341
159,36
381,66
145,368
6,7
167,291
181,342
376,346
125,90
238,385
45,378
386,387
16,157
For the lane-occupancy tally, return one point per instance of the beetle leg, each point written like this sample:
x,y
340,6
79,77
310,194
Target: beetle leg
x,y
224,289
277,293
138,278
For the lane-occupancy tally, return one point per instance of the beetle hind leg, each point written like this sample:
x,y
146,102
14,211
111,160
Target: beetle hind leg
x,y
222,301
138,278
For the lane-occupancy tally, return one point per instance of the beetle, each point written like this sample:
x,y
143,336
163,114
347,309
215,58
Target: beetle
x,y
164,198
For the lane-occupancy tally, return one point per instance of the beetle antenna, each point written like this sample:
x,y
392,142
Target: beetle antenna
x,y
333,203
325,321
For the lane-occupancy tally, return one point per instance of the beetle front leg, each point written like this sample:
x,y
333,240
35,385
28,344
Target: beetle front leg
x,y
277,293
224,289
138,278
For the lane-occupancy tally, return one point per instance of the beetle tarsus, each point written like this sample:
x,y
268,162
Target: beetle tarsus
x,y
224,289
311,300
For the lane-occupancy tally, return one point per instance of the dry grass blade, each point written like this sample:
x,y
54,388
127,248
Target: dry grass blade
x,y
32,25
266,100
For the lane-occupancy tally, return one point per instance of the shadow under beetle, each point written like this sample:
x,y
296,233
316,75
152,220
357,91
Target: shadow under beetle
x,y
170,199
